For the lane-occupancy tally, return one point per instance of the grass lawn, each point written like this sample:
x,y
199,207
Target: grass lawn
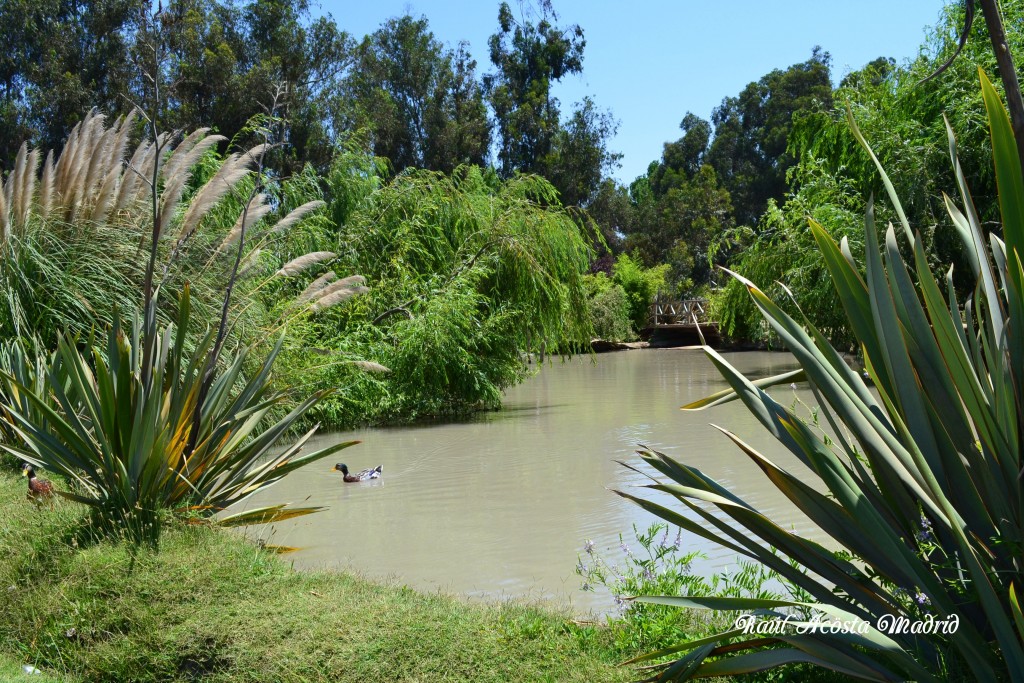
x,y
209,606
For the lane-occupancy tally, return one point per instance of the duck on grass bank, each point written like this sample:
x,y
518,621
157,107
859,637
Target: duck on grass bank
x,y
38,489
365,475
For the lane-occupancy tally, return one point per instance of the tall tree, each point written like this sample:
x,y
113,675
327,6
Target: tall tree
x,y
230,61
420,101
60,59
529,58
752,132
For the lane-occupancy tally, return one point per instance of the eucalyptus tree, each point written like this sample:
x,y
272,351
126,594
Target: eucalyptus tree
x,y
229,61
420,101
529,57
749,149
61,59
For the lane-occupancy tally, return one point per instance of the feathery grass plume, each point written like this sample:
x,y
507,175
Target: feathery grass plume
x,y
336,297
257,152
298,265
46,189
344,283
67,156
13,178
88,142
314,288
295,215
134,178
120,141
370,366
4,221
178,170
103,143
230,173
28,188
176,160
21,185
257,209
107,194
250,264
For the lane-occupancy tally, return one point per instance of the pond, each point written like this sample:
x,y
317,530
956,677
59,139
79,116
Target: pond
x,y
501,506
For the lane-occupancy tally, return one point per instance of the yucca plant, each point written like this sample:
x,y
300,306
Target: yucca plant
x,y
923,473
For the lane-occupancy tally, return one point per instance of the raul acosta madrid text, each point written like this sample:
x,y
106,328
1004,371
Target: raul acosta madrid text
x,y
887,623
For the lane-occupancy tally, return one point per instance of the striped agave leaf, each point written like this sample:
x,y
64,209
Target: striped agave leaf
x,y
923,477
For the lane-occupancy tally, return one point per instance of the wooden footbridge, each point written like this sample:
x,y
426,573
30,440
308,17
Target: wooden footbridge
x,y
673,322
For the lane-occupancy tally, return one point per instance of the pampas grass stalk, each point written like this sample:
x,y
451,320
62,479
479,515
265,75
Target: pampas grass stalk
x,y
370,366
336,297
295,215
302,263
257,210
314,288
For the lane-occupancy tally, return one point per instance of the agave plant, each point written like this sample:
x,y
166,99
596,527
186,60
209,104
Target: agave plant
x,y
923,473
125,444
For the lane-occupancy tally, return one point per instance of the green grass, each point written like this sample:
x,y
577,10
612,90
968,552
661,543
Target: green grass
x,y
211,606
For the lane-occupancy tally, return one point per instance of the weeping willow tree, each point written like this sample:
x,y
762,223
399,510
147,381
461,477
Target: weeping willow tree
x,y
465,274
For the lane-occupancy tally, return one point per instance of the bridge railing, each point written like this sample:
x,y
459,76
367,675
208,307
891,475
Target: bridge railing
x,y
675,312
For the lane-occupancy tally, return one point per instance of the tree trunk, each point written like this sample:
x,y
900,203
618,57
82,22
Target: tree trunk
x,y
1014,102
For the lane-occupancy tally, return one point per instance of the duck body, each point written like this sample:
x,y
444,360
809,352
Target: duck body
x,y
38,489
364,475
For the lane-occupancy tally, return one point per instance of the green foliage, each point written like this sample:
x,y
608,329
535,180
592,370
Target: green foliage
x,y
902,116
609,309
659,566
782,254
61,60
421,102
528,59
718,175
147,420
640,285
125,442
921,475
464,270
752,130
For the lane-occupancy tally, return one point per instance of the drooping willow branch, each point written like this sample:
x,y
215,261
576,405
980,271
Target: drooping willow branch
x,y
1004,59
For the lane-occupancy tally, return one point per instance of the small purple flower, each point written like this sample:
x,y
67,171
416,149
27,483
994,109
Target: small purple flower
x,y
625,548
588,547
925,534
648,574
679,538
664,539
581,568
922,599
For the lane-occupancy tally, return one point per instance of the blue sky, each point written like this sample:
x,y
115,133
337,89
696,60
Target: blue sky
x,y
651,61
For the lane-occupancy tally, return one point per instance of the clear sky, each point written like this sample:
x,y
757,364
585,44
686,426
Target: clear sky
x,y
651,61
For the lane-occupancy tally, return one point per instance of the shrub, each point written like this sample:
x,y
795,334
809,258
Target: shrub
x,y
640,285
609,309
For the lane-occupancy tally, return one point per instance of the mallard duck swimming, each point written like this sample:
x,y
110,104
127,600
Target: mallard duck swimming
x,y
368,473
38,489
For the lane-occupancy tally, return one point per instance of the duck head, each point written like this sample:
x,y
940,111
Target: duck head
x,y
27,470
341,467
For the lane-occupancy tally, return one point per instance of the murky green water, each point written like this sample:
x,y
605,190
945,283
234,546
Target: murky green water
x,y
501,506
